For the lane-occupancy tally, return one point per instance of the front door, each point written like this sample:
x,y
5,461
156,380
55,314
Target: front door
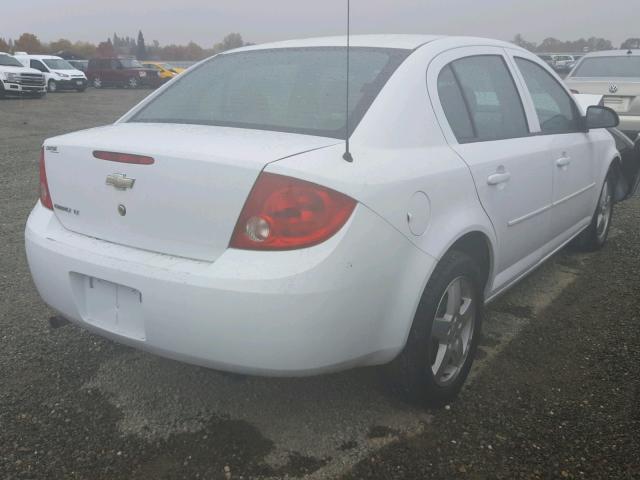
x,y
572,151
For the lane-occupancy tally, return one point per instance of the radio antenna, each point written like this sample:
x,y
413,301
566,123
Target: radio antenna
x,y
347,154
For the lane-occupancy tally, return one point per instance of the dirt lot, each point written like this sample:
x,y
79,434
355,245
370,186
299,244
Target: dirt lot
x,y
555,393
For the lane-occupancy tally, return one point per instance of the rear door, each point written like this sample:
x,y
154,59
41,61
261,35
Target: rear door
x,y
480,108
573,151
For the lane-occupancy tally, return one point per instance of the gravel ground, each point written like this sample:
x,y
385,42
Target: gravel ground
x,y
561,401
555,392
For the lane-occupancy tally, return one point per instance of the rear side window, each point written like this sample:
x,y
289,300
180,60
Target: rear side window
x,y
556,111
454,106
493,106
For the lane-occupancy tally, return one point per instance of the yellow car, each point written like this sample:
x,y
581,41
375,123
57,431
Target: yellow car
x,y
165,70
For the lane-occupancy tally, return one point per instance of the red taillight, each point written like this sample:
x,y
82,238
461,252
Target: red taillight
x,y
123,157
284,213
45,196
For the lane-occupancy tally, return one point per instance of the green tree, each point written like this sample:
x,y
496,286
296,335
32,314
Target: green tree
x,y
141,49
521,42
232,40
59,45
29,43
4,46
630,43
105,49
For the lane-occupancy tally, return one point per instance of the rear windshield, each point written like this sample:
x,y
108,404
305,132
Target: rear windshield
x,y
615,67
57,64
299,90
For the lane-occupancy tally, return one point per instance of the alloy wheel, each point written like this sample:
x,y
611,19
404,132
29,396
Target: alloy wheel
x,y
603,215
452,331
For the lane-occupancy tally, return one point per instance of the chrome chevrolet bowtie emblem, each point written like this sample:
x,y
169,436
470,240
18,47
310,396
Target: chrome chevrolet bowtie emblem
x,y
120,181
613,88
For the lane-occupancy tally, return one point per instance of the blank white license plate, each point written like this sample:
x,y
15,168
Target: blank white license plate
x,y
618,104
78,82
114,308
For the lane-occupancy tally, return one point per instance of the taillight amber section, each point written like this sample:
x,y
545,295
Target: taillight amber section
x,y
45,196
285,213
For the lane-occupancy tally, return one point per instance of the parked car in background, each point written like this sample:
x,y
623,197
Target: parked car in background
x,y
121,72
58,73
16,79
548,59
79,64
629,147
163,70
563,63
221,222
165,66
616,75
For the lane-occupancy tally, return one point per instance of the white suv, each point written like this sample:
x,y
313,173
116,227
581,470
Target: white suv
x,y
15,79
58,73
221,222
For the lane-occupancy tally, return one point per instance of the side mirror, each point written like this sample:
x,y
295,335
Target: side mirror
x,y
601,117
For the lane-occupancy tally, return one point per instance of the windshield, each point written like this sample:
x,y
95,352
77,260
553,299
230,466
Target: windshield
x,y
8,61
614,67
300,90
57,64
129,63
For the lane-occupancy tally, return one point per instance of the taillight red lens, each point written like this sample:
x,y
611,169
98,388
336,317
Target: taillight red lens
x,y
284,213
45,196
123,157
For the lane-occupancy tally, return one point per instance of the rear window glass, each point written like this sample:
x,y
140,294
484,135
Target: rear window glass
x,y
613,67
299,90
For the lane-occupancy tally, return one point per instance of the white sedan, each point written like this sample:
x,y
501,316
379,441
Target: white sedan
x,y
221,223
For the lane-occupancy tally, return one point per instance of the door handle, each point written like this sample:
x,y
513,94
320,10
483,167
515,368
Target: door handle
x,y
498,178
563,161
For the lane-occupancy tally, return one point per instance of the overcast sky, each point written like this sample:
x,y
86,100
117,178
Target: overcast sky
x,y
207,21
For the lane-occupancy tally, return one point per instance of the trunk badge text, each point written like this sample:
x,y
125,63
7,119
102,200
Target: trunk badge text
x,y
120,181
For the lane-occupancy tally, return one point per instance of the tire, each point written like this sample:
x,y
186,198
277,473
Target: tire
x,y
132,82
595,236
441,347
52,86
81,89
96,82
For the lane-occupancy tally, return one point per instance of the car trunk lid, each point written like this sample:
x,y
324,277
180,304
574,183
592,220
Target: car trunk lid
x,y
185,203
620,95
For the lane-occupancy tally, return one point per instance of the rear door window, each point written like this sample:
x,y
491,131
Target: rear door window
x,y
483,87
556,110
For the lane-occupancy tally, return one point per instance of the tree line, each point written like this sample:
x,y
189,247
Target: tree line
x,y
591,44
117,45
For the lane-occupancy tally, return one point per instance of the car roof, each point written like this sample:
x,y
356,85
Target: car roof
x,y
612,53
42,57
397,41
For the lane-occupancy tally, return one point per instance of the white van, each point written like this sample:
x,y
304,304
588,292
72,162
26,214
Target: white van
x,y
16,79
58,73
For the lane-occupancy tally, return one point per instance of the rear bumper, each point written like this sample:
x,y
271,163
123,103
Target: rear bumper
x,y
347,302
